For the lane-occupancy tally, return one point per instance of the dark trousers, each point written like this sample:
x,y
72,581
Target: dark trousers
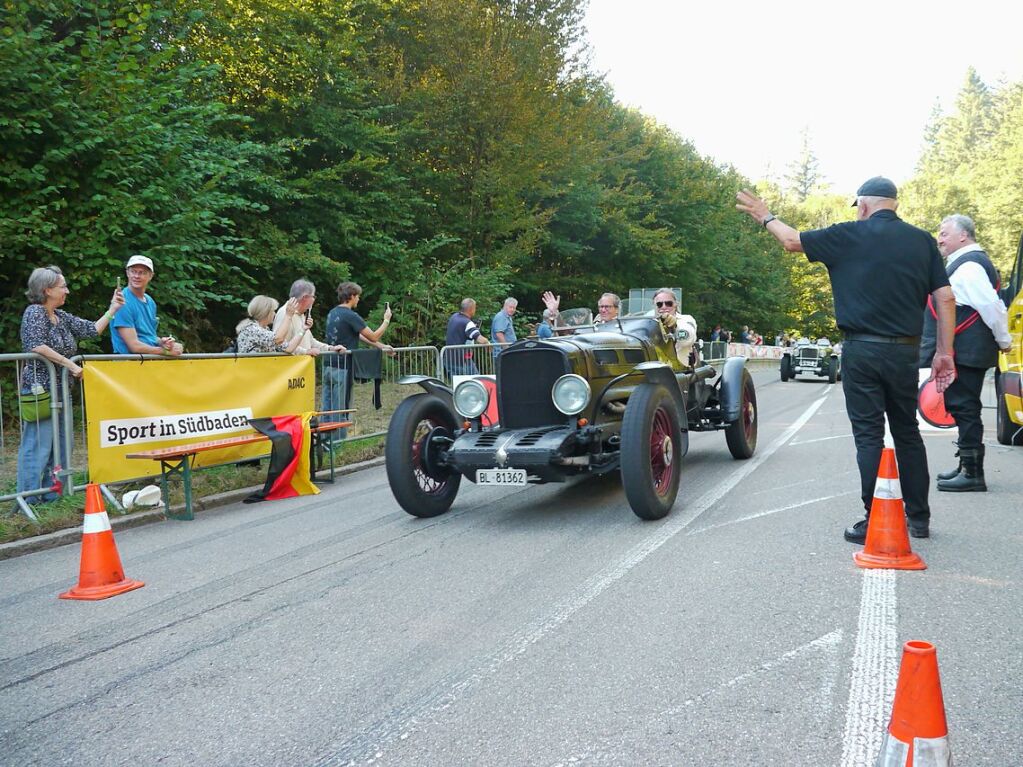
x,y
880,378
962,401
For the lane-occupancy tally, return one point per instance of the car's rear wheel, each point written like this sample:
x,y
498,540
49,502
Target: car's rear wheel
x,y
420,431
1007,432
786,367
652,450
741,434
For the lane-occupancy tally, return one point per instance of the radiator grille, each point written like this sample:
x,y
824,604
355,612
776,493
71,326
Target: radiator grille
x,y
808,353
524,381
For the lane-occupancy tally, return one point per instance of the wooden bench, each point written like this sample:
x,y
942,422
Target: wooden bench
x,y
178,460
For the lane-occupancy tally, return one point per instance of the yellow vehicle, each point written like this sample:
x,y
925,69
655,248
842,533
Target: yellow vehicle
x,y
1009,418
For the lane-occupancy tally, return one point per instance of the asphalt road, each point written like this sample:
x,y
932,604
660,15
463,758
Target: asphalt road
x,y
538,626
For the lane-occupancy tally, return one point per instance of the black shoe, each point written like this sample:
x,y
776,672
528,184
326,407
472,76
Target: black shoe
x,y
857,533
963,483
919,529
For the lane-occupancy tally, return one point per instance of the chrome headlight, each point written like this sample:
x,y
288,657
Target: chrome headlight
x,y
571,393
471,399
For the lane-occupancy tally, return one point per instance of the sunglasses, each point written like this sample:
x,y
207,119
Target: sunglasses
x,y
664,303
605,306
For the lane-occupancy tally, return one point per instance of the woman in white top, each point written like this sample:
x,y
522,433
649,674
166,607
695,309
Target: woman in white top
x,y
300,324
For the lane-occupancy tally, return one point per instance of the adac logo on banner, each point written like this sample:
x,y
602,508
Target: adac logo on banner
x,y
136,406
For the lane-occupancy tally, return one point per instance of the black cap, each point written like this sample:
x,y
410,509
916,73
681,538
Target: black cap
x,y
878,186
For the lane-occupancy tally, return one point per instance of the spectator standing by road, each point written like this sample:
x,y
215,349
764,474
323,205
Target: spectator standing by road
x,y
134,328
300,323
345,328
502,328
50,332
882,270
462,331
981,329
254,334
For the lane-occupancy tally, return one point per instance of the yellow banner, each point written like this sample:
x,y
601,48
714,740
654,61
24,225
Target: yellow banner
x,y
137,406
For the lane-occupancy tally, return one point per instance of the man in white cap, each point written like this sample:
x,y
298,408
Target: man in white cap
x,y
135,325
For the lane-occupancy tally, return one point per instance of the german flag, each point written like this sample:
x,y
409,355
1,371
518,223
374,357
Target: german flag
x,y
288,475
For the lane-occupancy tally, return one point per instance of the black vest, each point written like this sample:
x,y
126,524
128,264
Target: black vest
x,y
975,345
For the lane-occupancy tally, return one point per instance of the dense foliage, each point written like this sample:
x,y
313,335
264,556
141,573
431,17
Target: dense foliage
x,y
428,149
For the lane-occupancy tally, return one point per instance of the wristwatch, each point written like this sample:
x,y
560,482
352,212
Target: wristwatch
x,y
770,217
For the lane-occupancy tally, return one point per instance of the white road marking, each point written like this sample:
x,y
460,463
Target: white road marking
x,y
874,671
819,439
369,745
771,511
828,643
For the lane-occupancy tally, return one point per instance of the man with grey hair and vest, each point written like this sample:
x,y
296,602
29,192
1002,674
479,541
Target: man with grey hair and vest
x,y
981,330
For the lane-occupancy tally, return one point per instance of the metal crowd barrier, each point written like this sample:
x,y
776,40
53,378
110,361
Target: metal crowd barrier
x,y
11,436
337,373
467,360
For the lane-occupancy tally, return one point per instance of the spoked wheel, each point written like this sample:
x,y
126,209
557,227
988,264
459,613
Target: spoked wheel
x,y
652,450
741,435
786,367
420,432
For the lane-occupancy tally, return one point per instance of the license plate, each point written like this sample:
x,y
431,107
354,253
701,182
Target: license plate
x,y
502,477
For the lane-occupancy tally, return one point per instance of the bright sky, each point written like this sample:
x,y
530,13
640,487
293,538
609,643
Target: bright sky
x,y
742,80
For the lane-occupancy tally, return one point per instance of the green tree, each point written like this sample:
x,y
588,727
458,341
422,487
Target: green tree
x,y
112,146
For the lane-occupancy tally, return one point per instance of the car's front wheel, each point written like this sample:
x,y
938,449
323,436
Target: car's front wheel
x,y
652,450
833,370
420,430
1007,432
786,367
741,434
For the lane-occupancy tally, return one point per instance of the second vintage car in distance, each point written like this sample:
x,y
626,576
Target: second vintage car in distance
x,y
819,359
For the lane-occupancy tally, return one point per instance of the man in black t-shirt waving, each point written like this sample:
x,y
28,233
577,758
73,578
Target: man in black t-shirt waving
x,y
882,270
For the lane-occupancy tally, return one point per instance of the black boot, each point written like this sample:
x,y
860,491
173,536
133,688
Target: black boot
x,y
971,478
954,472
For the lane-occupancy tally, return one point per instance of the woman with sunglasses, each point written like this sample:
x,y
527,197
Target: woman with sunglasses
x,y
683,326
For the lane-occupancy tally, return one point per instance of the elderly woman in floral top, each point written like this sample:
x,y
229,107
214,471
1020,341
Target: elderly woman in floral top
x,y
254,334
52,333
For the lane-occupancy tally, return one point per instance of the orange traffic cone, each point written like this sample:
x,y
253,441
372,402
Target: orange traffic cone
x,y
887,544
917,733
100,574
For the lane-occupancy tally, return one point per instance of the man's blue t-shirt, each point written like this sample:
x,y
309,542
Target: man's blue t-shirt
x,y
502,324
137,314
